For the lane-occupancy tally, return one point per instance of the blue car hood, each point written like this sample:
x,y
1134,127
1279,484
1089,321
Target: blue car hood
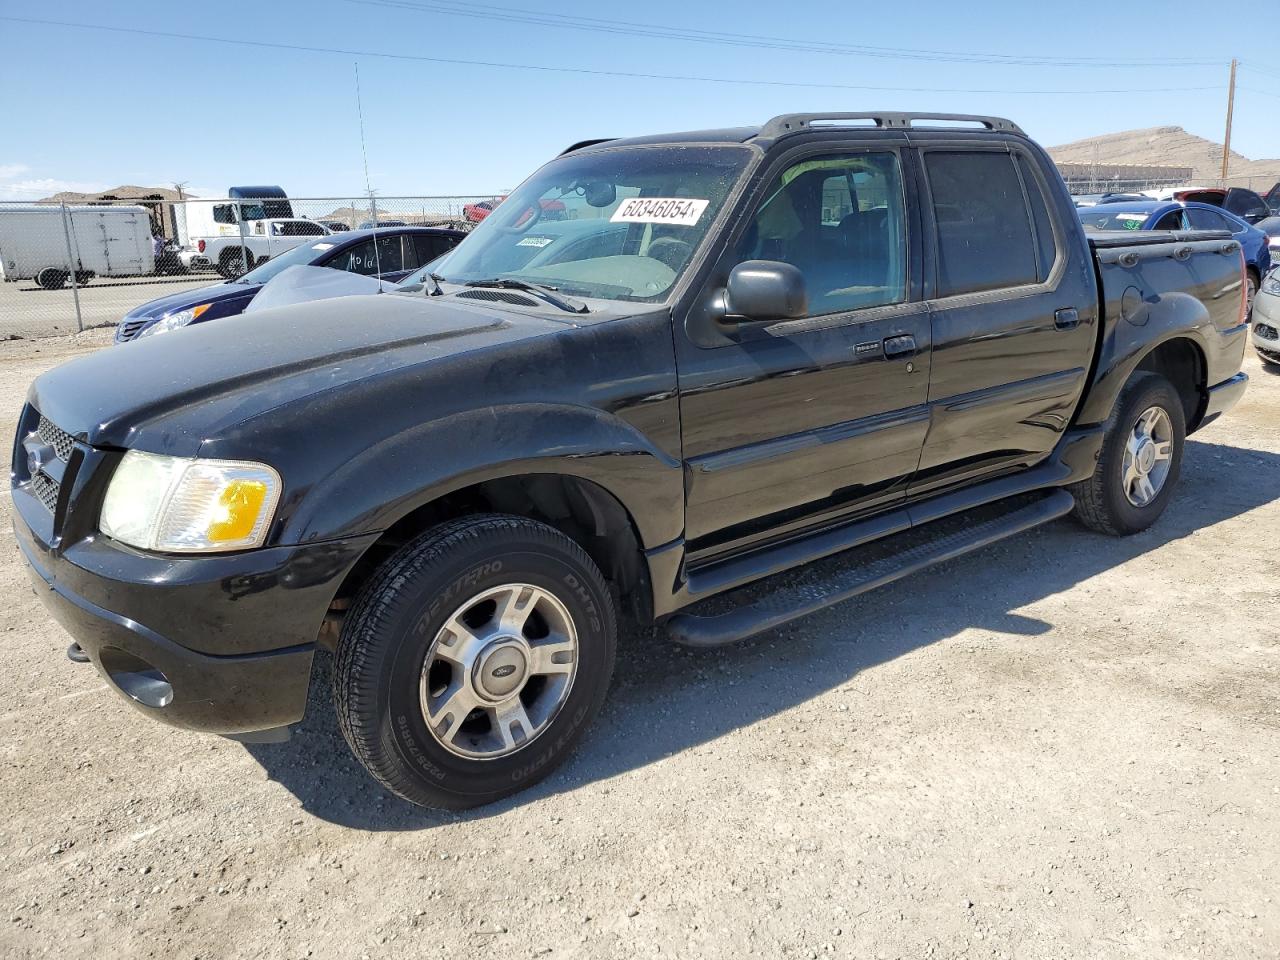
x,y
184,299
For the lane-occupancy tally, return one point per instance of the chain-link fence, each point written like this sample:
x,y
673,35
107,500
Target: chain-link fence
x,y
68,267
1084,183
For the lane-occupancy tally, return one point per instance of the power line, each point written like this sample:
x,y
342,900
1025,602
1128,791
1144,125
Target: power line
x,y
581,71
633,28
1249,66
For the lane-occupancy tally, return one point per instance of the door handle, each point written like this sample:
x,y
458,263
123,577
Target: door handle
x,y
1067,318
900,346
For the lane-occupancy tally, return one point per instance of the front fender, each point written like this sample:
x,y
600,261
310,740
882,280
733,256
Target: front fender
x,y
403,472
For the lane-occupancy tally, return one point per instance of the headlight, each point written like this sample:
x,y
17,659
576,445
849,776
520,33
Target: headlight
x,y
181,505
174,321
1271,283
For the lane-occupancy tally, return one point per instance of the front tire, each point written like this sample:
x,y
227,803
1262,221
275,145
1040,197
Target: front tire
x,y
474,660
1140,461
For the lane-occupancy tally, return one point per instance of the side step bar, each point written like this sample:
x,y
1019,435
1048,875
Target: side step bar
x,y
946,539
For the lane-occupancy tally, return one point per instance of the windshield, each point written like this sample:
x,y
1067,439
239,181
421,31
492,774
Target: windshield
x,y
303,254
1105,217
615,224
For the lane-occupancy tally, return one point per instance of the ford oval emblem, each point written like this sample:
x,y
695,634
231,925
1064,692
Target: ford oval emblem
x,y
506,670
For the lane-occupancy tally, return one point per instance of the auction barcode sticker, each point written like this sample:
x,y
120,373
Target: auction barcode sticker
x,y
676,210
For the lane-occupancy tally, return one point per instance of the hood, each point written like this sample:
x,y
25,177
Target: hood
x,y
302,284
184,299
170,393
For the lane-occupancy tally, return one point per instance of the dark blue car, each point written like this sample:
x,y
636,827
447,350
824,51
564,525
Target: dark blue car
x,y
1180,215
398,252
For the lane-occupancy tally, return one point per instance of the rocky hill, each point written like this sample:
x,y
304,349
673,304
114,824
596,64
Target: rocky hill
x,y
1167,146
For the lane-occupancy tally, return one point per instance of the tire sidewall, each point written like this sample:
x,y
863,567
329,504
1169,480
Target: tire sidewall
x,y
1148,392
421,612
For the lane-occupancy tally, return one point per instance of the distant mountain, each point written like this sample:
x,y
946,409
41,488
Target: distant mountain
x,y
125,192
1168,146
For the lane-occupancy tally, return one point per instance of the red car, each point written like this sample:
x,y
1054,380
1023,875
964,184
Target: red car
x,y
475,212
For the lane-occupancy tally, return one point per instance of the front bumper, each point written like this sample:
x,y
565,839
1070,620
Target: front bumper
x,y
140,618
1268,347
1264,333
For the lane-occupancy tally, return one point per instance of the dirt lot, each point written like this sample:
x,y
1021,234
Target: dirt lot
x,y
1066,746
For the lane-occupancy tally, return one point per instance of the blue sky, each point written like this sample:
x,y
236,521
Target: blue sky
x,y
89,109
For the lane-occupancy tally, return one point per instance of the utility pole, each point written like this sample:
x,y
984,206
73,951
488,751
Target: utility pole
x,y
1231,102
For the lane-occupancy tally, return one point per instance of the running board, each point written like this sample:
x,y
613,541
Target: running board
x,y
901,556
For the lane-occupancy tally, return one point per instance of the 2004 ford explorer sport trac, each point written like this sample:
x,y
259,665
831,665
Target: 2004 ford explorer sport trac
x,y
739,351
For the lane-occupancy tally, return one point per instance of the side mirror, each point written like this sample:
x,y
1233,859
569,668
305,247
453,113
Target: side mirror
x,y
762,291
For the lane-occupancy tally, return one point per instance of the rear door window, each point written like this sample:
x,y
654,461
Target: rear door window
x,y
296,228
390,255
1041,219
430,246
984,227
1208,220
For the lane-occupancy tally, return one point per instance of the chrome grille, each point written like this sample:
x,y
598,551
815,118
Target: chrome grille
x,y
130,328
57,438
46,491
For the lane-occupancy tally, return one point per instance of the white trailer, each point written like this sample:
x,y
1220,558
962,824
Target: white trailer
x,y
107,241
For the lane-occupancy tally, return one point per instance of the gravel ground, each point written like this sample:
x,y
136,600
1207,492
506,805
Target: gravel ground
x,y
28,310
1062,746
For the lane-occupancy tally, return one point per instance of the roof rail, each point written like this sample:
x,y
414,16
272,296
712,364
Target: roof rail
x,y
583,144
796,122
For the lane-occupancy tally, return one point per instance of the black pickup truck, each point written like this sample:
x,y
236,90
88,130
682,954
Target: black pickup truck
x,y
728,354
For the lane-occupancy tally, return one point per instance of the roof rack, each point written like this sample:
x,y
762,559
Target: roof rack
x,y
796,122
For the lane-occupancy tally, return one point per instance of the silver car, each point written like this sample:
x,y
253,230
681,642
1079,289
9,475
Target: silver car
x,y
1265,332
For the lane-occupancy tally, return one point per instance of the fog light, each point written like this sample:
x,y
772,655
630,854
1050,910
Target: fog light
x,y
136,678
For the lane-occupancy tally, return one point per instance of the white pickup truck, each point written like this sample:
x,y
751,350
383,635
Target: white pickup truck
x,y
236,253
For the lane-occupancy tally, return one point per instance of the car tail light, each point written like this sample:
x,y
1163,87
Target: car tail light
x,y
1244,289
200,246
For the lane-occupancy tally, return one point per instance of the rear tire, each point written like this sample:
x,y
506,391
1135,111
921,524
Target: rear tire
x,y
232,265
447,701
1140,461
51,278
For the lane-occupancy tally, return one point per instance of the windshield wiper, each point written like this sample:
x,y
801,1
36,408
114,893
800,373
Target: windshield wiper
x,y
431,282
549,294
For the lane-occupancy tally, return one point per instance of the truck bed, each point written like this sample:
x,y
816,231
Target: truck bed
x,y
1109,239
